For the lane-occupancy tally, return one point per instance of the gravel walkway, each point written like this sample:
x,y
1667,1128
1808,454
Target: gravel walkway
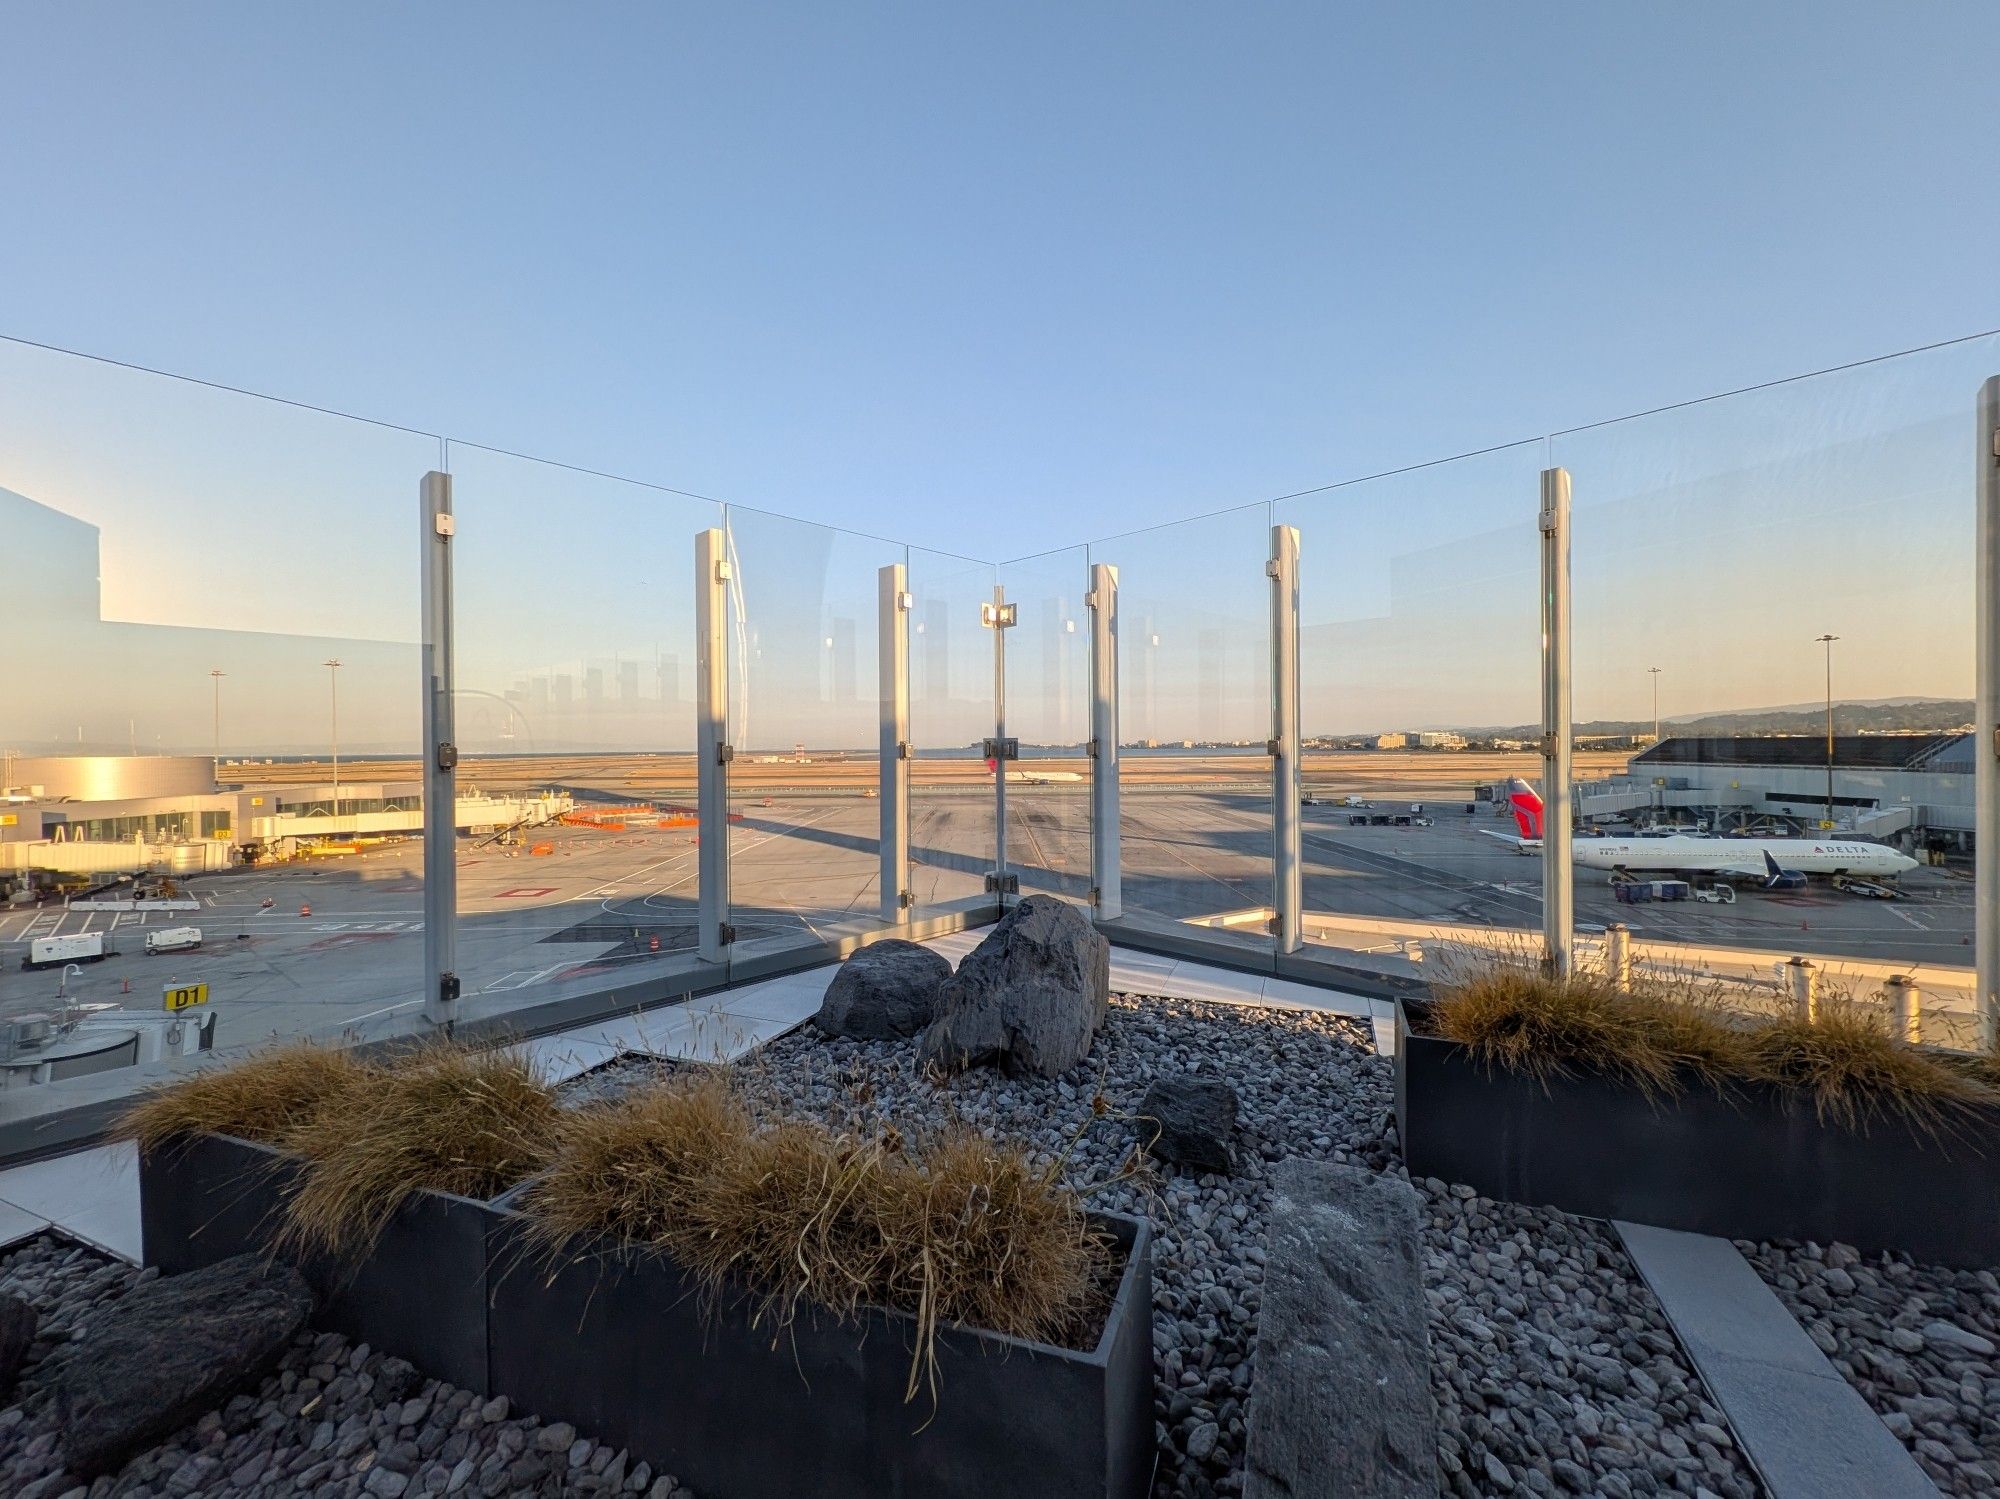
x,y
1919,1342
1553,1367
334,1420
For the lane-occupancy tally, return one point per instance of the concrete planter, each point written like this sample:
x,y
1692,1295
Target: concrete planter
x,y
419,1294
623,1346
1755,1165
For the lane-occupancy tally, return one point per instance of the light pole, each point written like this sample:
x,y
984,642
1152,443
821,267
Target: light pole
x,y
1827,641
332,665
217,675
1654,672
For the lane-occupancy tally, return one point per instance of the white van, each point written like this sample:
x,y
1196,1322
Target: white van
x,y
173,939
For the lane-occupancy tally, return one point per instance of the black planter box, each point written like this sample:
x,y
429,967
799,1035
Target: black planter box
x,y
624,1347
419,1294
1754,1165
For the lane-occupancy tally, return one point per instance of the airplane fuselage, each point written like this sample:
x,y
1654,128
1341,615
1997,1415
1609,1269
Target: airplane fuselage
x,y
1744,856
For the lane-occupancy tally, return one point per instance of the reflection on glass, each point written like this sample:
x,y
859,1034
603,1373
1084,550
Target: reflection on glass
x,y
209,758
805,817
575,721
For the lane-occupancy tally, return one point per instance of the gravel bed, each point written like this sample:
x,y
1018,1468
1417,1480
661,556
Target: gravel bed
x,y
1921,1343
1553,1368
335,1419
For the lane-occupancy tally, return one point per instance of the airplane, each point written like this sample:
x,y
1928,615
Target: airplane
x,y
1774,863
1686,855
1026,777
1527,805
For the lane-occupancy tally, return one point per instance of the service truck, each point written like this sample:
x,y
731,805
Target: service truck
x,y
51,952
173,939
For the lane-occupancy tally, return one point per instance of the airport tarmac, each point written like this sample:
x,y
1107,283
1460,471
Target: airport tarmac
x,y
591,910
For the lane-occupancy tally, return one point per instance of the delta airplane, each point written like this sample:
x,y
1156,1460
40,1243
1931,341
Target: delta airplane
x,y
1027,777
1774,863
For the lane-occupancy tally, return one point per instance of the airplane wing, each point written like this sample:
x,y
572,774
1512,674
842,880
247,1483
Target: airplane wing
x,y
1741,872
1509,838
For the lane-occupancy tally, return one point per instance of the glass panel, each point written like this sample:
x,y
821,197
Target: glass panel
x,y
1722,543
805,814
951,714
1048,711
575,723
1194,620
213,598
1420,700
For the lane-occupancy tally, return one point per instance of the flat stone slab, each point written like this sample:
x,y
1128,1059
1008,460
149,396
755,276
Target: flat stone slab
x,y
1342,1402
1806,1430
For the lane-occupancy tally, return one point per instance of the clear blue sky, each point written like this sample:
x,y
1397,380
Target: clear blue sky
x,y
996,277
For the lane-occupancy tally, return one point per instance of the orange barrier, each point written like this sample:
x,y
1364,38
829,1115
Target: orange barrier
x,y
541,850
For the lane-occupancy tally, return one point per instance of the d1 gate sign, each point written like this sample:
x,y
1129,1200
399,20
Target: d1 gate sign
x,y
186,996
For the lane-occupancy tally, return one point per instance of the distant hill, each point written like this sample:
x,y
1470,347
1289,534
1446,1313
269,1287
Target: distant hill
x,y
1878,716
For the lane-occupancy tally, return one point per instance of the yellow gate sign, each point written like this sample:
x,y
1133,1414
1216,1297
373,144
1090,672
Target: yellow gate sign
x,y
186,996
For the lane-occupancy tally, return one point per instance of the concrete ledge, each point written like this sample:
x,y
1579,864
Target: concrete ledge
x,y
1806,1431
1342,1401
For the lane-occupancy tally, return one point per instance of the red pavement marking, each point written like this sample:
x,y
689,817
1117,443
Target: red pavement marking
x,y
527,893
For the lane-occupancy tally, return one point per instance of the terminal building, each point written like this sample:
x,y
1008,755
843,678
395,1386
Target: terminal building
x,y
1911,790
109,815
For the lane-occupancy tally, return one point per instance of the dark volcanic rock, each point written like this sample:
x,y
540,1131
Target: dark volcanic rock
x,y
177,1347
1342,1404
1188,1121
18,1322
885,991
1030,998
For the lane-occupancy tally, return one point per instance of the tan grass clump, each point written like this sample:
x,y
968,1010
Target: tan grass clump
x,y
444,1119
797,1216
1664,1033
1852,1069
263,1098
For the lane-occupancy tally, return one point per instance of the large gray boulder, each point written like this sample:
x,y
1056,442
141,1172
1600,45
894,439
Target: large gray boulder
x,y
884,992
1342,1406
171,1350
1188,1121
1030,998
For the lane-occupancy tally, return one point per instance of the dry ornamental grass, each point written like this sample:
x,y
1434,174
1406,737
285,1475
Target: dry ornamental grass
x,y
794,1215
1664,1033
443,1119
263,1098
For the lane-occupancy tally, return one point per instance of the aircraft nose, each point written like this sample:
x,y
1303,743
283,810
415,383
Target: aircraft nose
x,y
1903,862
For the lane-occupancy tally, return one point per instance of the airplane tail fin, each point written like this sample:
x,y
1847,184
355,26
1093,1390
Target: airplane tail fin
x,y
1527,805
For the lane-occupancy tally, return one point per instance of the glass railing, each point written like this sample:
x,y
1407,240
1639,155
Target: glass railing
x,y
951,717
1194,670
1753,574
575,631
804,812
215,718
1419,686
1048,715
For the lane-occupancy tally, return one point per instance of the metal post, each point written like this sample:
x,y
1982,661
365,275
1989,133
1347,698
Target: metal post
x,y
1802,979
893,652
440,756
712,749
1287,885
1986,732
1104,845
998,617
1618,956
1906,1003
1558,926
